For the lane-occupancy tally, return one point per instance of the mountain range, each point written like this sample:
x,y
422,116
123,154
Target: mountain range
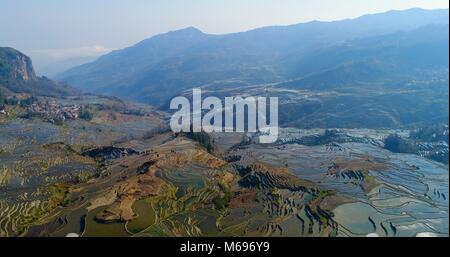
x,y
158,68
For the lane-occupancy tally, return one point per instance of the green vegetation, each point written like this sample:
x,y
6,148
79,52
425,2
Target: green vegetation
x,y
83,176
222,200
6,53
397,144
59,194
31,217
324,193
27,101
431,133
85,114
203,139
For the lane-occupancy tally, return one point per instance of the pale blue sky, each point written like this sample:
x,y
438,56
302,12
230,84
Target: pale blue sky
x,y
74,27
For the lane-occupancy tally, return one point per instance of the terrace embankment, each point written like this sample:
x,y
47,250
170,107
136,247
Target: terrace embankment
x,y
139,175
260,174
356,170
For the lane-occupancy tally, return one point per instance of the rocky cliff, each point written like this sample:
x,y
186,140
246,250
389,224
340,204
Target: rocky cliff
x,y
15,65
17,76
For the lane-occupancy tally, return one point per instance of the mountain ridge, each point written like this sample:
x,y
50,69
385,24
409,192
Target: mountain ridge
x,y
176,60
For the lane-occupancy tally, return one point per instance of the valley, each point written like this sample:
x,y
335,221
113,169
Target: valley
x,y
362,148
99,178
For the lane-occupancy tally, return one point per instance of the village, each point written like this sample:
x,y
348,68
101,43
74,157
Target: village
x,y
54,111
49,110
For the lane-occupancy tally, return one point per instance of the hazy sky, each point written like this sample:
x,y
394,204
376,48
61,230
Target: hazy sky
x,y
71,28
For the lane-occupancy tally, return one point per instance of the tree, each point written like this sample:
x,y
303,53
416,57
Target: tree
x,y
85,114
397,144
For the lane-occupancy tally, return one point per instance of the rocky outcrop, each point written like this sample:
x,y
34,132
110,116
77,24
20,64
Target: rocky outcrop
x,y
17,76
109,153
15,65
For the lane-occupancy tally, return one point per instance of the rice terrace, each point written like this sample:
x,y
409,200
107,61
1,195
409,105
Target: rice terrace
x,y
218,124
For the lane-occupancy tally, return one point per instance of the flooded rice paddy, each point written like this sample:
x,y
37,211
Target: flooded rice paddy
x,y
411,196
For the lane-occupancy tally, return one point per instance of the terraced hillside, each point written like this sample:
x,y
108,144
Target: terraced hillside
x,y
170,185
43,151
101,166
179,189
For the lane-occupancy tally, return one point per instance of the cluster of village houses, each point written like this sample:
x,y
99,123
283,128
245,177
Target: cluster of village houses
x,y
55,111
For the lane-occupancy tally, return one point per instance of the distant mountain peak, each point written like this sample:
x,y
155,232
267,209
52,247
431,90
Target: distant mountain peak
x,y
185,32
156,68
189,30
